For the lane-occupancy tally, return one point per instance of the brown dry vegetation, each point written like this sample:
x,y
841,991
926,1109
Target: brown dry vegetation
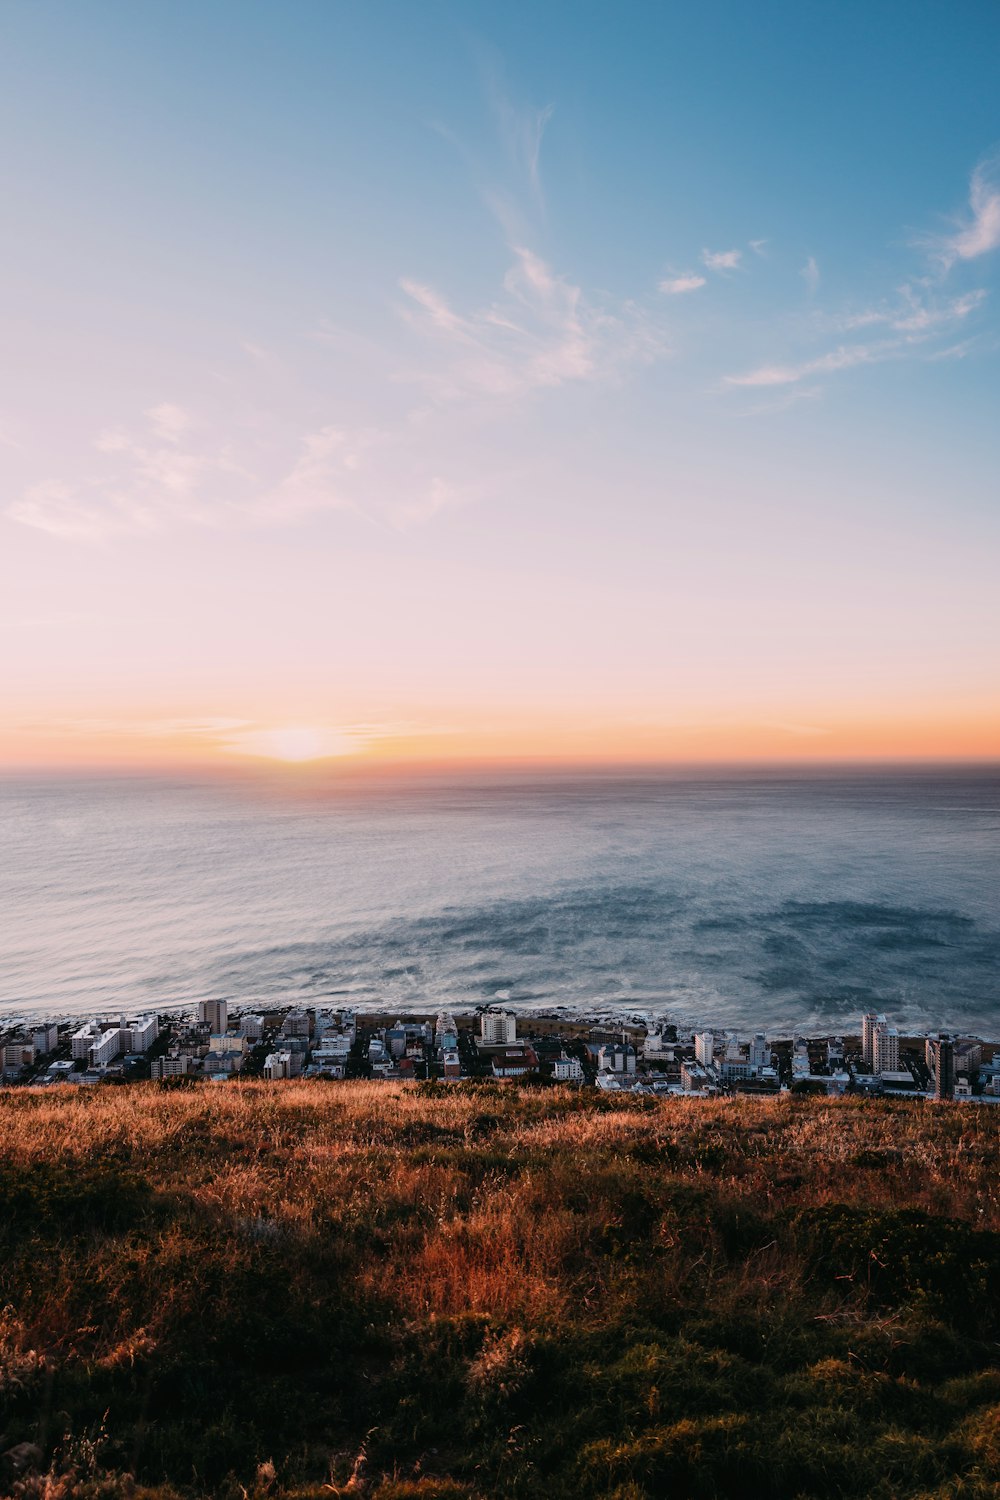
x,y
368,1288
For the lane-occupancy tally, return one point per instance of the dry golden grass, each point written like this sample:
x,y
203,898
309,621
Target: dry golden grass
x,y
415,1261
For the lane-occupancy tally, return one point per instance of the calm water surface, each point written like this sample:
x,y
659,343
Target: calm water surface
x,y
748,901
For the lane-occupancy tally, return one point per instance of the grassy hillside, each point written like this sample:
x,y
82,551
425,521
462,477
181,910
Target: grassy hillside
x,y
367,1289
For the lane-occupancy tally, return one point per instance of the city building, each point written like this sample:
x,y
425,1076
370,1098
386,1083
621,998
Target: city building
x,y
693,1076
734,1069
213,1013
252,1027
296,1023
942,1065
18,1052
656,1048
451,1063
885,1048
514,1062
760,1052
868,1023
968,1055
175,1065
616,1057
82,1041
567,1069
704,1048
229,1041
497,1028
283,1064
45,1038
106,1048
143,1031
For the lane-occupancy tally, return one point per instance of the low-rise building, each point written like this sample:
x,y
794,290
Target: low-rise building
x,y
173,1065
229,1041
18,1052
283,1064
514,1062
567,1069
693,1076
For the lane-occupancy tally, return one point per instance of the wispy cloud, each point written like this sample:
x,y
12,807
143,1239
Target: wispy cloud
x,y
541,333
810,274
675,286
844,358
722,260
913,319
915,310
521,129
978,232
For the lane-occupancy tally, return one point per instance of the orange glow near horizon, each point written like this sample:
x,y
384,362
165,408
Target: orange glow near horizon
x,y
175,744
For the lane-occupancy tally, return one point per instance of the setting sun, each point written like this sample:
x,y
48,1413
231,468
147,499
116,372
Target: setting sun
x,y
293,743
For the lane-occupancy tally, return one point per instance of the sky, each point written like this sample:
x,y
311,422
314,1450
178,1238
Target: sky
x,y
474,381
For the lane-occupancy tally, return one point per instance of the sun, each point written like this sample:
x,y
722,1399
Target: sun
x,y
299,744
293,743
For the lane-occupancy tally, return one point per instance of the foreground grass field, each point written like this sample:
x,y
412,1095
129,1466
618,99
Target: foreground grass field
x,y
368,1289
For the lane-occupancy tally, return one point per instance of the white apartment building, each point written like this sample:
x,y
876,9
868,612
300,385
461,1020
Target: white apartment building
x,y
278,1065
106,1048
213,1013
656,1048
143,1031
885,1048
617,1057
497,1028
83,1040
568,1070
704,1048
252,1027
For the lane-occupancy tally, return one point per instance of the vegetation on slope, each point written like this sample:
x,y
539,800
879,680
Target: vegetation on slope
x,y
303,1289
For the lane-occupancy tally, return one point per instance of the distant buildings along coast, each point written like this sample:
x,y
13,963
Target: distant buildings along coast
x,y
494,1043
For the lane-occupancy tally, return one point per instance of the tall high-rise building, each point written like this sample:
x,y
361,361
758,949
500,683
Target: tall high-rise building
x,y
704,1047
760,1053
868,1024
885,1047
498,1028
942,1065
213,1013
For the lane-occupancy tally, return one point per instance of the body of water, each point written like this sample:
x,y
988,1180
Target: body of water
x,y
745,901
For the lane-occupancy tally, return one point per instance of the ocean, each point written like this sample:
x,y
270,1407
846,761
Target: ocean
x,y
747,901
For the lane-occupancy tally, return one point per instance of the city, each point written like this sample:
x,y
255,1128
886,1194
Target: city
x,y
493,1043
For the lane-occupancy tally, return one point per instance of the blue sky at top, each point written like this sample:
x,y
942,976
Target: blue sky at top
x,y
577,300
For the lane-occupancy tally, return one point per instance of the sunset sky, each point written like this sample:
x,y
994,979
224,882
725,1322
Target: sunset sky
x,y
461,381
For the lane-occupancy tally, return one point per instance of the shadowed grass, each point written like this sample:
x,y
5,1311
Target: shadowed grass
x,y
298,1289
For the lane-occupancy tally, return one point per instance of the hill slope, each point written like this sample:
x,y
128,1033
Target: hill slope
x,y
366,1288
